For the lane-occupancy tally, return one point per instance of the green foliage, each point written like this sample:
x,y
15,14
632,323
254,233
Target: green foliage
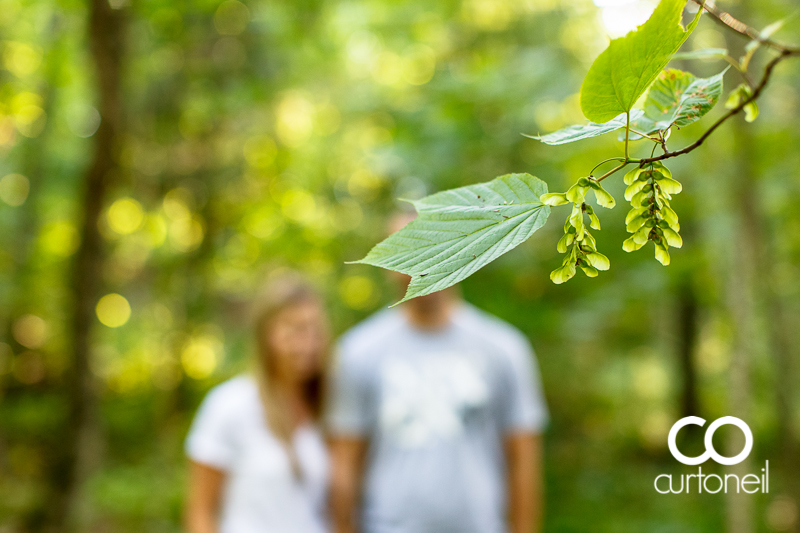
x,y
678,98
741,94
624,71
629,67
651,218
578,133
461,230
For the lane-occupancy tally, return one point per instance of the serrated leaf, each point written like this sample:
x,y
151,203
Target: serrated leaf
x,y
624,71
587,131
461,230
679,98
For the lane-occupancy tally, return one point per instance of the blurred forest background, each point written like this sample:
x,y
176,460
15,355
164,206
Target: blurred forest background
x,y
158,159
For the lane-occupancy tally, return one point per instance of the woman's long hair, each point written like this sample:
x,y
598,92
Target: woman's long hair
x,y
278,295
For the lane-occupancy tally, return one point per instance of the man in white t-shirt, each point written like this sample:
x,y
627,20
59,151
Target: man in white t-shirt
x,y
435,420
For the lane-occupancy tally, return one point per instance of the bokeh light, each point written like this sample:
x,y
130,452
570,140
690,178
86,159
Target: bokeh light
x,y
30,331
14,189
113,310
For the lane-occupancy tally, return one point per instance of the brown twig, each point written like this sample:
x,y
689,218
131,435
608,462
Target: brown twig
x,y
741,28
734,111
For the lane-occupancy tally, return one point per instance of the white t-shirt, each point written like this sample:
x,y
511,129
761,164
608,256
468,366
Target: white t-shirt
x,y
261,494
436,407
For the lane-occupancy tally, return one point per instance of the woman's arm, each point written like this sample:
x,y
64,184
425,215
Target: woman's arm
x,y
203,500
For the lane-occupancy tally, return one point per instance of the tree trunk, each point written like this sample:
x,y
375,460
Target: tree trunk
x,y
687,339
106,27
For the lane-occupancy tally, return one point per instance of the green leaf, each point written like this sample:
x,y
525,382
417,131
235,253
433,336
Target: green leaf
x,y
598,261
594,221
634,188
554,198
631,245
603,197
566,240
739,95
670,217
669,185
563,273
706,53
578,133
590,271
662,254
624,71
633,213
577,193
633,175
679,98
461,230
672,237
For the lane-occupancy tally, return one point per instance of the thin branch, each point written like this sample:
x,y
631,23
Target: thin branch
x,y
741,28
615,169
736,110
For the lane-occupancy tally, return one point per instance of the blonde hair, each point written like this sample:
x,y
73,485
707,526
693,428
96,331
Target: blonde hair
x,y
278,295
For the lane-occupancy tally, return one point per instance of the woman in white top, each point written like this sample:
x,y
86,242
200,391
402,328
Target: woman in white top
x,y
258,463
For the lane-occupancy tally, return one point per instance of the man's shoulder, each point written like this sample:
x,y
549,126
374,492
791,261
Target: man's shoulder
x,y
491,330
370,333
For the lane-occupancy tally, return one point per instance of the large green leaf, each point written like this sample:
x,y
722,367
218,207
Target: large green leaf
x,y
578,133
624,71
679,98
461,230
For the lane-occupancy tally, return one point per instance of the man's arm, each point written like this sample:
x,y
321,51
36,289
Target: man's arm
x,y
524,459
347,467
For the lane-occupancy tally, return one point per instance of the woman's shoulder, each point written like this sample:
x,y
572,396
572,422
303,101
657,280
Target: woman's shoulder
x,y
233,394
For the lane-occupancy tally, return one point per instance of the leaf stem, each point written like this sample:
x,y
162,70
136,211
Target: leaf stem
x,y
627,131
591,172
615,169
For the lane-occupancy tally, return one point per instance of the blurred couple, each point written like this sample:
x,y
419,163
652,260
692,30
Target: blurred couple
x,y
430,423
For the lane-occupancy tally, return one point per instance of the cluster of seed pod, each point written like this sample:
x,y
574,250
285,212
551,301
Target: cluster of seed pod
x,y
650,188
579,245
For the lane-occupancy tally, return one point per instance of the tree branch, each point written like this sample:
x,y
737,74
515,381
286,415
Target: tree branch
x,y
736,110
741,28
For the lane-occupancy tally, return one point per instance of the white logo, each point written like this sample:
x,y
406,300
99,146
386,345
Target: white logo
x,y
710,452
